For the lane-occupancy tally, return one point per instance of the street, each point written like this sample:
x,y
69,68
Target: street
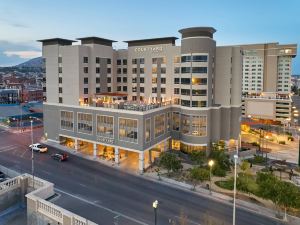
x,y
101,193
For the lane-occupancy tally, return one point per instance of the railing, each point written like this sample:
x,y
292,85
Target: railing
x,y
52,211
266,97
9,185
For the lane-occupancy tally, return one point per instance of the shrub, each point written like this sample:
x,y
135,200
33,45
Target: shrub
x,y
218,171
281,142
170,162
227,184
199,157
198,174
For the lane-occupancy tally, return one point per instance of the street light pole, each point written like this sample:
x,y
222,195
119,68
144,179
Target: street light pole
x,y
32,155
155,205
210,163
234,189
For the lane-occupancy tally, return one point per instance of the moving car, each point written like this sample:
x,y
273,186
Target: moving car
x,y
38,147
60,156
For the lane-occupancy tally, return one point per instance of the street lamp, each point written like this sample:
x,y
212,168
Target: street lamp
x,y
155,206
210,163
234,189
32,155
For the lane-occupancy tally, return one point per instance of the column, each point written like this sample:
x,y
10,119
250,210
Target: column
x,y
95,151
76,144
117,157
150,157
141,162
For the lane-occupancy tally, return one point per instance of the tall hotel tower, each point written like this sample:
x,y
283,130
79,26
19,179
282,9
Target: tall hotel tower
x,y
131,105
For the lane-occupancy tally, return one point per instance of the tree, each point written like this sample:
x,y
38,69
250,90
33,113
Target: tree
x,y
198,174
199,157
245,167
220,158
170,162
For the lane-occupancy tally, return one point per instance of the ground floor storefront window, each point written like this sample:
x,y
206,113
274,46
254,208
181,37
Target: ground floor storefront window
x,y
68,142
105,152
185,148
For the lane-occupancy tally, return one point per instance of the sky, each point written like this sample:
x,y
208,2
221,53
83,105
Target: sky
x,y
236,22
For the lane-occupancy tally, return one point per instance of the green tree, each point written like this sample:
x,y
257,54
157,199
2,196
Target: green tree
x,y
170,162
199,157
245,167
198,174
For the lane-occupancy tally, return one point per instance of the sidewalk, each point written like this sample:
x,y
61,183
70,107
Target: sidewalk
x,y
186,187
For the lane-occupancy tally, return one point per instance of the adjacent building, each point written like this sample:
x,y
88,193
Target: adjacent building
x,y
131,104
267,81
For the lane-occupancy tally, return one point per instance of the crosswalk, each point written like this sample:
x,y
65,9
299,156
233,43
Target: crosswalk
x,y
7,148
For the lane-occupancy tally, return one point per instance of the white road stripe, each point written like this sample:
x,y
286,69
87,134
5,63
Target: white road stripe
x,y
5,147
102,207
8,149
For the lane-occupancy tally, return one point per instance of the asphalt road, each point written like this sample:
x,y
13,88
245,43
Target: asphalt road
x,y
101,193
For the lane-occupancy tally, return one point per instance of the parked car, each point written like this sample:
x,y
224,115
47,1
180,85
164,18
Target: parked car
x,y
38,147
60,157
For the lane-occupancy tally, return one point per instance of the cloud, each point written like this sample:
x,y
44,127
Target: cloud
x,y
23,54
13,23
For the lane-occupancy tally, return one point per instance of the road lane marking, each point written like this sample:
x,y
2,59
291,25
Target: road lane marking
x,y
102,207
8,149
7,146
24,153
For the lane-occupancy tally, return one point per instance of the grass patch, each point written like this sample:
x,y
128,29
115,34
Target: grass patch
x,y
226,184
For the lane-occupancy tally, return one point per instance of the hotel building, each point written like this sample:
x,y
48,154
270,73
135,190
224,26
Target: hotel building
x,y
130,105
267,81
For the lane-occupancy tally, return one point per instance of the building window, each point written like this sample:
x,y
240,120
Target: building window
x,y
85,91
134,61
142,70
119,62
199,92
97,60
97,90
163,80
185,103
142,89
97,69
66,120
109,89
85,69
163,90
134,70
85,123
60,90
60,80
199,58
59,69
124,79
85,59
105,126
185,58
142,61
108,61
185,81
119,79
119,88
85,80
133,89
176,91
119,71
177,70
60,100
185,69
59,59
176,121
168,121
128,129
199,103
97,80
154,70
125,88
159,124
199,81
176,80
199,69
154,90
177,59
125,62
163,70
185,91
124,70
148,129
142,80
108,70
198,126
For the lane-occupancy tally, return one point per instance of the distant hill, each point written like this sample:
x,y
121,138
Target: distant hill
x,y
36,62
32,65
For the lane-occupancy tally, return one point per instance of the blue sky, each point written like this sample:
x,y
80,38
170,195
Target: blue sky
x,y
237,22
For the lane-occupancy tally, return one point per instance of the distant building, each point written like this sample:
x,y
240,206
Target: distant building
x,y
9,96
33,94
267,81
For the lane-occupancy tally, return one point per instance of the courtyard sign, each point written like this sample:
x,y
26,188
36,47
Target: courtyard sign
x,y
151,49
105,140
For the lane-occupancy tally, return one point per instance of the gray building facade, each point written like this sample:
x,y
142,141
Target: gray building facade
x,y
143,100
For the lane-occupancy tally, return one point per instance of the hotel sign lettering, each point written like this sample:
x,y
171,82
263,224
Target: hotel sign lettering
x,y
105,140
151,49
